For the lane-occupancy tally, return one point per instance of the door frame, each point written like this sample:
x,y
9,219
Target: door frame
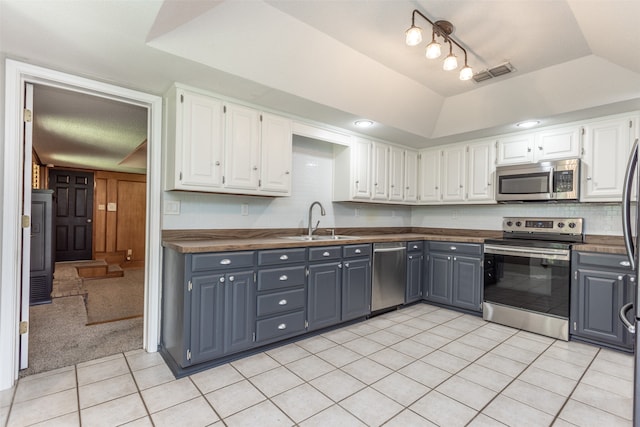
x,y
17,74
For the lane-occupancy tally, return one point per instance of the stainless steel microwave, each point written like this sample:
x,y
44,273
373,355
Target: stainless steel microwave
x,y
544,181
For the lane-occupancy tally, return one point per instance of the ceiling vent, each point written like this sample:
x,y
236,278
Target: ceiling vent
x,y
497,71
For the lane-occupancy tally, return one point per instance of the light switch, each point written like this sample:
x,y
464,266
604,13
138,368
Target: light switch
x,y
112,207
101,207
172,207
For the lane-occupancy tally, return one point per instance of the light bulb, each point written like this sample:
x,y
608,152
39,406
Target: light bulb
x,y
450,62
466,73
413,36
433,50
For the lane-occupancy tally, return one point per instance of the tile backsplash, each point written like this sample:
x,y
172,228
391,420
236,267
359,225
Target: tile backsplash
x,y
312,180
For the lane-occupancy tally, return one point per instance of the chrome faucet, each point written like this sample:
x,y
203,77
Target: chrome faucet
x,y
322,212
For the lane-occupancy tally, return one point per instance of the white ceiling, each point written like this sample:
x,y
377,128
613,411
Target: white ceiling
x,y
339,60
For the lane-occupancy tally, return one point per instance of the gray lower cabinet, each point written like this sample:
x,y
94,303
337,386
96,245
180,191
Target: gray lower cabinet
x,y
454,275
208,305
599,288
324,294
415,260
281,300
356,288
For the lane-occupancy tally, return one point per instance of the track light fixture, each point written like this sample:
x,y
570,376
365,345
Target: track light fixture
x,y
413,37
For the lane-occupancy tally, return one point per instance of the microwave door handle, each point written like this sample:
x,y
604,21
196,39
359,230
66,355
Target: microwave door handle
x,y
626,204
552,190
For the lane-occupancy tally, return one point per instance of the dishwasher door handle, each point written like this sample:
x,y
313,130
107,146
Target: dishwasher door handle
x,y
389,249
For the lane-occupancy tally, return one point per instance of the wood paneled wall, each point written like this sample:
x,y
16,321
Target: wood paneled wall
x,y
119,217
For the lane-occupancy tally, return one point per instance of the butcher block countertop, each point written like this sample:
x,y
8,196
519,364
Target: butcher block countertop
x,y
195,241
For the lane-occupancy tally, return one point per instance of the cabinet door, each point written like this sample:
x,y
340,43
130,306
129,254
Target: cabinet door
x,y
467,282
324,295
453,174
429,175
554,144
240,307
410,176
276,153
439,278
207,317
481,166
599,296
414,277
380,171
606,149
361,167
515,149
356,288
396,174
242,147
200,141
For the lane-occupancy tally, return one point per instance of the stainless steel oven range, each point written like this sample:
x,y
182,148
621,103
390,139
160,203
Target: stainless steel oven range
x,y
527,274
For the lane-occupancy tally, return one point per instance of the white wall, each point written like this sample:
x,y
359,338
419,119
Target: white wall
x,y
312,180
599,218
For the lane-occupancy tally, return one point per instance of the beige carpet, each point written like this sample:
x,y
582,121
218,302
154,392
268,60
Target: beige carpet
x,y
119,298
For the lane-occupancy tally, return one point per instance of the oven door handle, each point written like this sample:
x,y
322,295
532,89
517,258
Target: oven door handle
x,y
623,317
558,254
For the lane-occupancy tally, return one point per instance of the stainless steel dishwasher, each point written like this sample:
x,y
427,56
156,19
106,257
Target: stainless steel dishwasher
x,y
389,275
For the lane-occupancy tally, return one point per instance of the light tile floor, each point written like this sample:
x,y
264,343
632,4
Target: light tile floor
x,y
419,366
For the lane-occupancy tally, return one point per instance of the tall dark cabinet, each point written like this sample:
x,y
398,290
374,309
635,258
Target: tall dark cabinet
x,y
42,261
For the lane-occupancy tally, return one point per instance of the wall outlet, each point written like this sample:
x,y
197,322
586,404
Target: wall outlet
x,y
172,207
244,209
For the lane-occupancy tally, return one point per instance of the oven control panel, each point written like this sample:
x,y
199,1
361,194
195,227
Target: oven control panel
x,y
543,225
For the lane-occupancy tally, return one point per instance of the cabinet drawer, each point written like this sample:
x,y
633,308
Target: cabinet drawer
x,y
617,262
221,260
352,251
280,302
462,248
324,253
282,256
280,326
277,278
415,246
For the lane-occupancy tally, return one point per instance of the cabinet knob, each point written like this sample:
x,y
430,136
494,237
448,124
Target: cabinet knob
x,y
415,246
346,264
255,168
284,257
231,278
358,251
528,149
339,265
225,261
283,278
588,178
436,188
625,263
287,172
460,185
406,188
410,256
453,248
392,185
222,280
448,257
620,278
454,258
539,147
282,302
282,326
326,254
217,163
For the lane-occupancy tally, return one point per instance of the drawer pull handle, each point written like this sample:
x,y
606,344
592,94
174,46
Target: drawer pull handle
x,y
225,261
283,278
282,302
284,257
453,248
326,254
358,251
625,263
282,326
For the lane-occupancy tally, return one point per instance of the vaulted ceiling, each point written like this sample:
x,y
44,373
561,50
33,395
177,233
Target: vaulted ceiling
x,y
336,61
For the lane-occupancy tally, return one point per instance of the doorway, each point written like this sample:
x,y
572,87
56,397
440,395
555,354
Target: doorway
x,y
15,266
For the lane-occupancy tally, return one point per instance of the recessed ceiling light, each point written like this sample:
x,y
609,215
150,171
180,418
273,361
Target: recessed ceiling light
x,y
363,123
528,124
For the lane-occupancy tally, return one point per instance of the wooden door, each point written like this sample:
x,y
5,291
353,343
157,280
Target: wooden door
x,y
73,199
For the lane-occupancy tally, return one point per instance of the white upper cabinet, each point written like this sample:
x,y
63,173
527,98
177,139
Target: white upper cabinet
x,y
276,154
396,174
606,148
352,170
514,149
481,167
219,147
410,176
380,171
242,142
429,175
361,166
194,158
453,174
557,143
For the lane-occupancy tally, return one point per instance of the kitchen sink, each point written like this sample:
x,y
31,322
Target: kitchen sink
x,y
314,237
